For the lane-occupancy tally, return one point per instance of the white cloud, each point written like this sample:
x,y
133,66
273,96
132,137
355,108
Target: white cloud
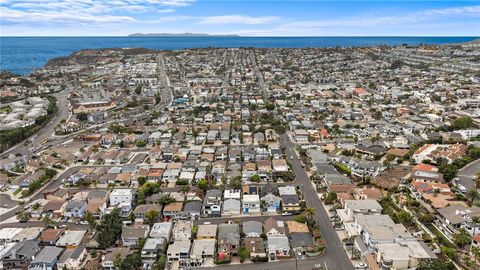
x,y
238,19
85,11
426,19
66,17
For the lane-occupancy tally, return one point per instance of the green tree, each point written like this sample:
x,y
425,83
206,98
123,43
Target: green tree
x,y
243,253
166,199
132,261
91,220
162,261
330,197
463,122
138,89
270,106
461,238
141,180
405,218
449,252
151,216
435,264
472,195
203,184
109,229
236,183
47,221
475,222
309,213
475,251
255,178
194,230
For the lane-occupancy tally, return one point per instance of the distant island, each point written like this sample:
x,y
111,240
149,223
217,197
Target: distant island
x,y
176,35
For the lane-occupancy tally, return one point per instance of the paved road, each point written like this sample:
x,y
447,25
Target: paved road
x,y
166,91
466,176
35,223
304,264
219,220
46,132
51,185
6,201
335,255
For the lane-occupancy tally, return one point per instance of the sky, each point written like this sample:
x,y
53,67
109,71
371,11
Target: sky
x,y
246,18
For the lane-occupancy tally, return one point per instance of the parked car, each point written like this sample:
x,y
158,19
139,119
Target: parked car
x,y
361,266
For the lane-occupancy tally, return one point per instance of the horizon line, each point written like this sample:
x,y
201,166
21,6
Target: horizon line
x,y
235,36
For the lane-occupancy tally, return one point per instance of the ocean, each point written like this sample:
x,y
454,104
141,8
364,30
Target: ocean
x,y
24,54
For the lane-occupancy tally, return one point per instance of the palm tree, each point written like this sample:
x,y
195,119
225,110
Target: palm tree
x,y
21,215
21,204
309,212
472,195
36,206
475,251
166,199
185,189
475,221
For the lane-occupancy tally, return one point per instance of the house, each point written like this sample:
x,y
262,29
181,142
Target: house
x,y
71,239
162,229
426,173
290,203
367,193
458,216
20,255
302,241
278,247
54,208
110,258
132,235
401,256
256,246
432,152
431,187
182,230
231,194
7,235
203,249
72,259
179,250
362,168
49,237
193,210
228,238
252,228
296,227
251,204
29,233
75,209
46,259
57,194
362,207
231,207
300,135
122,199
151,249
207,231
173,210
272,203
274,227
280,165
140,212
212,203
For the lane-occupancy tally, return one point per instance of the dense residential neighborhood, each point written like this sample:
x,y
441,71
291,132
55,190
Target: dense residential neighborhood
x,y
314,158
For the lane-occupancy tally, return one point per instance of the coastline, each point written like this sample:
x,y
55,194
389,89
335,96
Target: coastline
x,y
23,55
